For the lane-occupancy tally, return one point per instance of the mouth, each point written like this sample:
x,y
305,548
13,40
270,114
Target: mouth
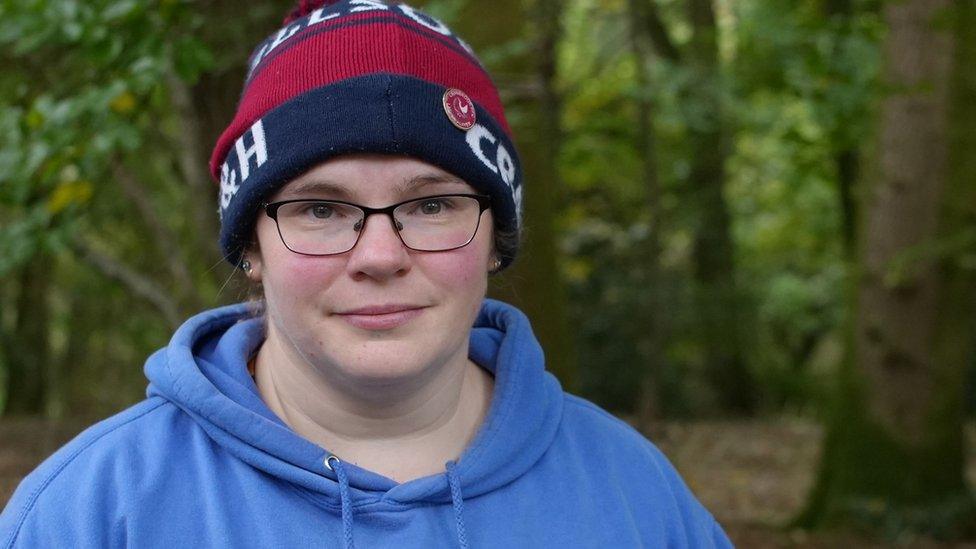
x,y
381,317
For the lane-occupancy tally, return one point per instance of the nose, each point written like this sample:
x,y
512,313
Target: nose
x,y
379,254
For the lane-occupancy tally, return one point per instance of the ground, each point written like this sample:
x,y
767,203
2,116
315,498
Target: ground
x,y
752,475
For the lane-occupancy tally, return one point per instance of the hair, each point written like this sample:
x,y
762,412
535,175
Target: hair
x,y
506,244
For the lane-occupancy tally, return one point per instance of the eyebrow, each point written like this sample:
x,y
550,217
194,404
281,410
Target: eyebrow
x,y
319,187
333,189
424,180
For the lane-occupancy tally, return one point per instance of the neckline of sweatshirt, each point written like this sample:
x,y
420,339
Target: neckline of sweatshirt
x,y
203,371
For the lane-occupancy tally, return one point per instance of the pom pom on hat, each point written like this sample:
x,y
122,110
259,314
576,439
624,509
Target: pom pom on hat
x,y
306,7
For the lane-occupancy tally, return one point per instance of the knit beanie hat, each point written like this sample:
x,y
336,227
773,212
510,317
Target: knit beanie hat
x,y
361,76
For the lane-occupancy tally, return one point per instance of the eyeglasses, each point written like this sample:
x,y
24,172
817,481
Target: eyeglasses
x,y
328,227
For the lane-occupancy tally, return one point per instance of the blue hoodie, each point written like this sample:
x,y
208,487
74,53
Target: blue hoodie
x,y
203,462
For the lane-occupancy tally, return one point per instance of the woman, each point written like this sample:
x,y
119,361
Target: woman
x,y
369,185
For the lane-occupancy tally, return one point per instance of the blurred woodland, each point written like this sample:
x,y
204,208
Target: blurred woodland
x,y
734,208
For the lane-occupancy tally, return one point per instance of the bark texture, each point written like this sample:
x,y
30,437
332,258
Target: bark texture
x,y
894,450
27,374
651,405
719,301
527,83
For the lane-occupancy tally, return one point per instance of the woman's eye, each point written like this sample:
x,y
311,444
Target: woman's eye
x,y
321,211
431,207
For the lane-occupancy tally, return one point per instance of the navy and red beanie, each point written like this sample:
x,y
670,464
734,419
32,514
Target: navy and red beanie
x,y
362,76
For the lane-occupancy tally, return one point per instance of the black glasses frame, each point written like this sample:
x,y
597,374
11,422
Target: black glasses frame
x,y
271,209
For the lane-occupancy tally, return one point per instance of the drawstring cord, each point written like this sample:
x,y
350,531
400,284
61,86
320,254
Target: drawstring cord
x,y
458,502
336,465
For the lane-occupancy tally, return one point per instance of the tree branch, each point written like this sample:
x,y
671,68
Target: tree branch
x,y
136,283
164,238
193,167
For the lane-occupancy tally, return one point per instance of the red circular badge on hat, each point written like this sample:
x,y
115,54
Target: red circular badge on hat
x,y
459,109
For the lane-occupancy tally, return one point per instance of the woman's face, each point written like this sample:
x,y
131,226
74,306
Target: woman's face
x,y
379,312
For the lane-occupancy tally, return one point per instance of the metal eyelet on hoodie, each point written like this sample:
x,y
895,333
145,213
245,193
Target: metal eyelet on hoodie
x,y
344,499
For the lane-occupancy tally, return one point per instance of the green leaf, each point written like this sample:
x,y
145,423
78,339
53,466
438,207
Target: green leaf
x,y
119,10
191,57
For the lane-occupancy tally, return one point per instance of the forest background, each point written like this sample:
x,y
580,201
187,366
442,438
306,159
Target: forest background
x,y
735,209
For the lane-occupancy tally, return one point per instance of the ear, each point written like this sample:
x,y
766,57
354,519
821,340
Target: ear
x,y
255,273
253,255
494,263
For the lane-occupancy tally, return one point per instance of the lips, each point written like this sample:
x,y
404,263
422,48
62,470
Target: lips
x,y
381,317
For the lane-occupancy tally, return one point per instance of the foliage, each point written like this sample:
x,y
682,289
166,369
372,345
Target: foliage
x,y
800,89
89,122
107,108
85,89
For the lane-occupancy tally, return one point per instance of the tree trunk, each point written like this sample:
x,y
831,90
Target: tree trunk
x,y
651,402
848,165
77,361
204,109
8,310
528,87
718,298
894,449
28,362
539,275
846,153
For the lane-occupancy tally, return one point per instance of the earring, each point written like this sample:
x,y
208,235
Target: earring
x,y
246,266
495,265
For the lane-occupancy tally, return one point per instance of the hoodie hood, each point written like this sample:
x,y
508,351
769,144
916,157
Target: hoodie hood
x,y
204,463
203,371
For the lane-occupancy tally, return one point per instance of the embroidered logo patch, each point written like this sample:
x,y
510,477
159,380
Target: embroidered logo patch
x,y
459,109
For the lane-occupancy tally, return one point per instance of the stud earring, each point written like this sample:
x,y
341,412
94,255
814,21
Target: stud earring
x,y
495,265
246,266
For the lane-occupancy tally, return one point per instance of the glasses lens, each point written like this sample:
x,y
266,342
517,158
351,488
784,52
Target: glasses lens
x,y
438,223
318,227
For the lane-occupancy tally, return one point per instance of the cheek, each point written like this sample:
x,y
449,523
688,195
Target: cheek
x,y
461,271
289,278
285,275
294,277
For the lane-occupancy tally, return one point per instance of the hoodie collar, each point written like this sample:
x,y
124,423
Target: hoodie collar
x,y
203,372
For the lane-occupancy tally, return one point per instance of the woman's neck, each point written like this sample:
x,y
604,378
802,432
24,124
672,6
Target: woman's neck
x,y
402,430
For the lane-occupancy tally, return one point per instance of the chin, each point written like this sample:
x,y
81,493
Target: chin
x,y
383,362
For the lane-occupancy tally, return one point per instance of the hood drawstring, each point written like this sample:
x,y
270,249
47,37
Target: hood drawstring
x,y
458,501
336,465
